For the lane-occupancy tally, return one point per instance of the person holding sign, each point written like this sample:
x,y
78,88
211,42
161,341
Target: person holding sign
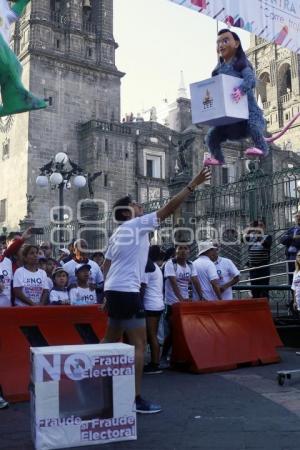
x,y
233,61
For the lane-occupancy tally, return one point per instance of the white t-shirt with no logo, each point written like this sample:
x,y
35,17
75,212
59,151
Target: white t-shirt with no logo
x,y
128,252
82,296
296,288
206,272
226,270
32,284
153,297
183,276
7,276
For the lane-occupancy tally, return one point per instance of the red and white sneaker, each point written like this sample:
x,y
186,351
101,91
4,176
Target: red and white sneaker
x,y
253,151
212,162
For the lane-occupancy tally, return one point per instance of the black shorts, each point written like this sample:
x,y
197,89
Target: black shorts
x,y
124,305
168,312
150,313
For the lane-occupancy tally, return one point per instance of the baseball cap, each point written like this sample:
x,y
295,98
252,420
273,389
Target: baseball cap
x,y
81,267
59,270
65,251
205,246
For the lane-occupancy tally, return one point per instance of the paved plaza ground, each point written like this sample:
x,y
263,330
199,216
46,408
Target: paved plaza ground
x,y
236,410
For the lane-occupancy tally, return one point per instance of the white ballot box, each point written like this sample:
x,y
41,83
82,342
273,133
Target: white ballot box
x,y
82,395
212,102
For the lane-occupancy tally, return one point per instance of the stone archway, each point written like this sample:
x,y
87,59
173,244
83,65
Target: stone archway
x,y
263,85
284,79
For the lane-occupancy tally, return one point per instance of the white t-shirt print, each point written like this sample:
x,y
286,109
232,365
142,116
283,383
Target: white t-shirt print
x,y
183,276
32,284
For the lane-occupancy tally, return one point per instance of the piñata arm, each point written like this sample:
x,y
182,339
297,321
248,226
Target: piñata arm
x,y
19,6
249,80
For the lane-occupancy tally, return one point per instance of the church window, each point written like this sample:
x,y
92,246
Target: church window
x,y
55,5
150,168
106,145
263,85
5,149
105,180
285,80
224,175
3,210
154,164
57,43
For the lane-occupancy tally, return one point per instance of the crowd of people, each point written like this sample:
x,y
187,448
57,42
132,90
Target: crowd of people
x,y
137,283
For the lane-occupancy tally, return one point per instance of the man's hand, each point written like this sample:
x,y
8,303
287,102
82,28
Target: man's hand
x,y
203,175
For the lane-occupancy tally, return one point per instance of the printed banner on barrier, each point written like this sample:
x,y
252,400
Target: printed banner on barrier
x,y
277,21
82,395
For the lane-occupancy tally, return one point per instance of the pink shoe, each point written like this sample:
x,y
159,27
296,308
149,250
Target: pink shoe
x,y
212,162
254,152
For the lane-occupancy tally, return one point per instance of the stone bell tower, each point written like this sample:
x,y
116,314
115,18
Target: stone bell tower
x,y
278,72
67,51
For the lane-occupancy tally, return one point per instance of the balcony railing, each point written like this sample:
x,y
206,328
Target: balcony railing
x,y
286,98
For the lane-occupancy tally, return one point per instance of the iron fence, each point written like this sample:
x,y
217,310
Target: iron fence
x,y
220,212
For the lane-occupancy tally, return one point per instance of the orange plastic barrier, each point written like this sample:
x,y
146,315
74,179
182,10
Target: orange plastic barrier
x,y
22,327
220,335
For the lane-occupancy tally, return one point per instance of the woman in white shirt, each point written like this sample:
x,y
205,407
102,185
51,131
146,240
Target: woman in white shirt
x,y
152,291
30,283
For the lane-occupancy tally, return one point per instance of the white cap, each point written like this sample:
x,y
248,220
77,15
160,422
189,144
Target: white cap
x,y
65,251
204,246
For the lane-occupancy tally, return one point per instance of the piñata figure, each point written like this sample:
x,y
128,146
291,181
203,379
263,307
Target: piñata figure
x,y
15,98
233,61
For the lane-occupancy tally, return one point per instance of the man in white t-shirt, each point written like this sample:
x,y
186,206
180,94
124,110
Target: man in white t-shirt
x,y
124,267
179,274
228,274
207,272
80,257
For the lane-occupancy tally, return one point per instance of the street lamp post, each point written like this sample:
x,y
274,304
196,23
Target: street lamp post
x,y
59,172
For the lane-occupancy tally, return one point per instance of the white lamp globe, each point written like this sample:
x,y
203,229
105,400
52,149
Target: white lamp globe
x,y
42,181
79,181
61,158
56,178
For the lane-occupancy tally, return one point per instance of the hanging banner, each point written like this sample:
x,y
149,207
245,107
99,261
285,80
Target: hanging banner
x,y
276,21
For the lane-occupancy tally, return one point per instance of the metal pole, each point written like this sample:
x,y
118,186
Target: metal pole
x,y
61,213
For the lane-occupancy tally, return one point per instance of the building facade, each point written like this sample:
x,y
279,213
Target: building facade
x,y
278,72
67,50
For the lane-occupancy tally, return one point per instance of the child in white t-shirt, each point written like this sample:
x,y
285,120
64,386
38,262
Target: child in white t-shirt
x,y
296,283
82,294
59,294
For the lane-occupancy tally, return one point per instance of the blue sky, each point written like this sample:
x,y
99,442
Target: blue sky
x,y
157,39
